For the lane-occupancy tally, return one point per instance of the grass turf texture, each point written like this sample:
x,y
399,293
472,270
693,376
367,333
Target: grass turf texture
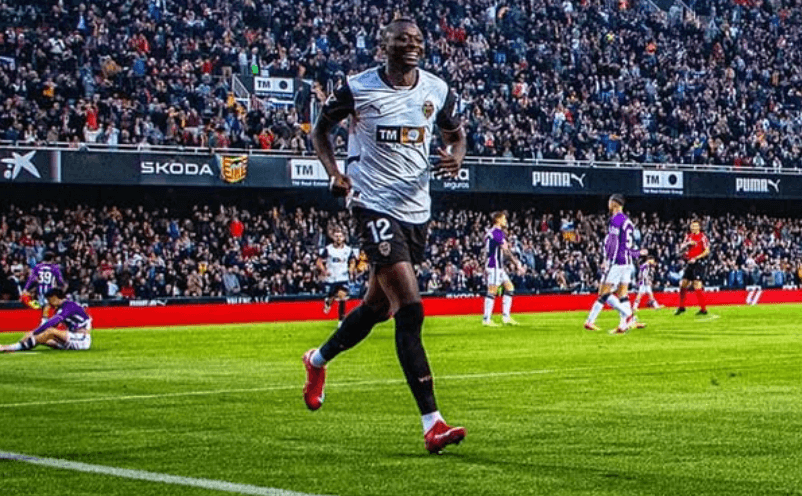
x,y
687,406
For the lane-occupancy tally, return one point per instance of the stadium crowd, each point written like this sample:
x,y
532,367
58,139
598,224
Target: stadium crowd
x,y
589,79
225,250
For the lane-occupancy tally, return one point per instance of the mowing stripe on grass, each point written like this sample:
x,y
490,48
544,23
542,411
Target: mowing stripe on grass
x,y
216,485
377,382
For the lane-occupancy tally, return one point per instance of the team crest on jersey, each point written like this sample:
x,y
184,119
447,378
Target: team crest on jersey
x,y
384,248
428,109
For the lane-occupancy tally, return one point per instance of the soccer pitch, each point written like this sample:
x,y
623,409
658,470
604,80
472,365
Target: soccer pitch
x,y
689,405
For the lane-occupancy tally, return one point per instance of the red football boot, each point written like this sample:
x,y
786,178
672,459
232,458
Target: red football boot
x,y
441,435
315,382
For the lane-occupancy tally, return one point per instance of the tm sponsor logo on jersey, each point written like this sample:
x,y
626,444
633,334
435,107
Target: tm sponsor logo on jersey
x,y
400,134
663,182
756,185
545,179
175,169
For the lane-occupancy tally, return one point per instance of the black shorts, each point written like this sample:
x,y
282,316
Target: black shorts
x,y
694,271
387,240
332,288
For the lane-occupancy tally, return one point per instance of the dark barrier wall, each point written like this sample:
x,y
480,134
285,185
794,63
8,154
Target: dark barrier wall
x,y
299,173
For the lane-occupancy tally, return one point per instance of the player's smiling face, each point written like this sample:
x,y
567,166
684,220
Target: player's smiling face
x,y
695,227
404,45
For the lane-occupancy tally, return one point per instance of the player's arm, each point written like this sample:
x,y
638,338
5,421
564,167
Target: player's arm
x,y
321,265
339,105
453,138
505,249
60,282
352,265
52,322
31,282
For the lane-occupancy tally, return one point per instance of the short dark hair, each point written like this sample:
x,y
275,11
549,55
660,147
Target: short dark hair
x,y
57,292
49,256
618,198
398,20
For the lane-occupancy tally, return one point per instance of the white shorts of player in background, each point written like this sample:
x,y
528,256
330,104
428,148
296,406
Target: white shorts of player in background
x,y
496,276
618,275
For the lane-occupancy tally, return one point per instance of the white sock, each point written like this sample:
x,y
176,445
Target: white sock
x,y
430,419
489,303
16,347
506,306
614,302
595,311
317,359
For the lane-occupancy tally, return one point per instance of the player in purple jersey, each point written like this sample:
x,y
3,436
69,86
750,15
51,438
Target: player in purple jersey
x,y
44,277
497,248
645,274
78,325
619,251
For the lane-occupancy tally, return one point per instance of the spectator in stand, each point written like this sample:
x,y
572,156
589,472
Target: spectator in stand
x,y
572,81
161,251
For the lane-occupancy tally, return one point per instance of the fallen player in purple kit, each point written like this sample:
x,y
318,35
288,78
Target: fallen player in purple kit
x,y
76,337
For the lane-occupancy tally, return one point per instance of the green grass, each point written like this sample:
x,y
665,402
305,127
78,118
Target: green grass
x,y
682,407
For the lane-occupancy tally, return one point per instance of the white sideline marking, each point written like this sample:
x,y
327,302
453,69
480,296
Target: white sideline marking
x,y
216,485
377,382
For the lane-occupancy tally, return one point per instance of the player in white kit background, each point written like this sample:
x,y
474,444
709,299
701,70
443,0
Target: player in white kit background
x,y
645,278
393,112
497,249
337,263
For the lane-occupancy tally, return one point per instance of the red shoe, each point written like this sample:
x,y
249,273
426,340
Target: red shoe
x,y
315,381
620,330
592,327
441,435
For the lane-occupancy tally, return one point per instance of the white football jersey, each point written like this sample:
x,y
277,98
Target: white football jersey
x,y
337,262
389,138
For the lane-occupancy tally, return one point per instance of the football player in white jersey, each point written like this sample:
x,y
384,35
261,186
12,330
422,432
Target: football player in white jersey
x,y
336,264
393,109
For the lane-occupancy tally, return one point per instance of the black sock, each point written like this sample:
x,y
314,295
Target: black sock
x,y
341,310
408,323
355,328
28,343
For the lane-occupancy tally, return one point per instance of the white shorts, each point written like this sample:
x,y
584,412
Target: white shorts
x,y
644,288
496,276
78,341
618,275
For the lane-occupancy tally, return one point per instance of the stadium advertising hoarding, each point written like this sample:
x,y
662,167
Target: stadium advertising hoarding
x,y
160,169
745,185
309,173
148,168
25,165
184,311
526,179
